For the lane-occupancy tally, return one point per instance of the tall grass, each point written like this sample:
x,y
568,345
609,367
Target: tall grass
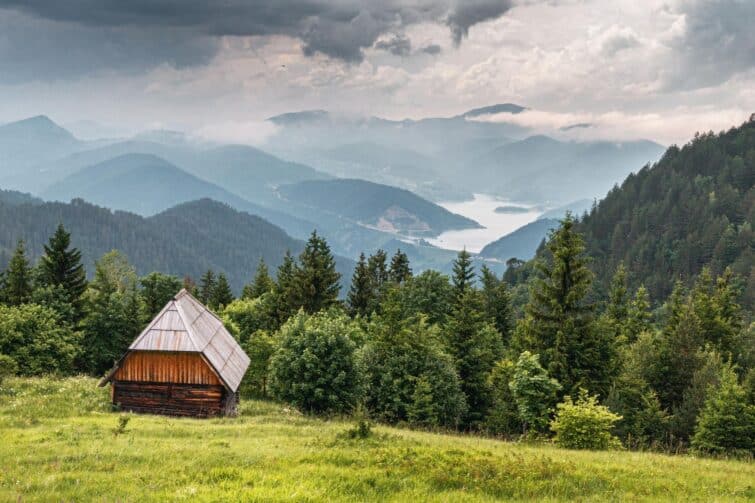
x,y
57,444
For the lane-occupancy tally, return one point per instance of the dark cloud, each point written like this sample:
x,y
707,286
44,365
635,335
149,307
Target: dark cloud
x,y
170,30
398,45
718,42
432,49
468,13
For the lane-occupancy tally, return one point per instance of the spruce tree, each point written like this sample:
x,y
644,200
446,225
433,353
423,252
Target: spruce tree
x,y
285,296
475,346
639,316
157,290
18,287
61,266
463,274
261,284
221,295
618,297
206,286
316,280
574,349
360,296
497,303
377,266
400,271
727,422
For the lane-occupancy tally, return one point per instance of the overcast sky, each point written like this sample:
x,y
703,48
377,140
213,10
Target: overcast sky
x,y
658,69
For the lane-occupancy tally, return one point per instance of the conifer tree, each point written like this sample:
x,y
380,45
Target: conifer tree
x,y
497,303
575,350
17,287
221,295
261,284
316,279
639,317
618,298
727,422
61,266
400,271
157,290
475,346
206,286
360,296
285,298
463,274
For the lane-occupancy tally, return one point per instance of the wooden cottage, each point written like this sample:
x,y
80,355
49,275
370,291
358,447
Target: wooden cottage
x,y
185,363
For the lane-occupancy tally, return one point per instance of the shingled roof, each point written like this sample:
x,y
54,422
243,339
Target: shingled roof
x,y
185,325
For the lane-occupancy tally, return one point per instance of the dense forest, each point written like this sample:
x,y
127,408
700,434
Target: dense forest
x,y
185,240
597,343
692,209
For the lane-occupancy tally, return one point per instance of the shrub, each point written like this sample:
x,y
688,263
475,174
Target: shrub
x,y
8,367
408,376
37,339
260,348
584,424
727,422
534,392
314,367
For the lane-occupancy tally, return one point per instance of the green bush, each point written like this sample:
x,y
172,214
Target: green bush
x,y
37,339
503,417
8,367
314,367
584,424
534,392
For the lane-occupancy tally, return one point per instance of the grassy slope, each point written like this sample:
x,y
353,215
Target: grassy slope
x,y
57,448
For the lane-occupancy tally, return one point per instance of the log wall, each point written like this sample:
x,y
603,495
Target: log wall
x,y
171,399
165,367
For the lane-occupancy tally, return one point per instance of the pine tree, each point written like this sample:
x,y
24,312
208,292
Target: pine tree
x,y
360,296
61,266
463,274
18,288
497,303
618,298
317,281
400,271
639,317
475,346
574,349
261,284
285,297
727,422
206,286
221,295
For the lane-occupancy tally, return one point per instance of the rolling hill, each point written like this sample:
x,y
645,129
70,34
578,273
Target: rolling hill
x,y
522,243
378,206
184,240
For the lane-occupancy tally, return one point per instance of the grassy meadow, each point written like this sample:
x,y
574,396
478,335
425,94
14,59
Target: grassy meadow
x,y
58,442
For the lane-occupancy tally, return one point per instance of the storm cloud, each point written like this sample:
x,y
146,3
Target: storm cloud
x,y
101,34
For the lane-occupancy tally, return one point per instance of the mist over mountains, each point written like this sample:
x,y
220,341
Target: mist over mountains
x,y
364,183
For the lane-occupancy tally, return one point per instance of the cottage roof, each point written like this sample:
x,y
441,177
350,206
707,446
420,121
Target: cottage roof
x,y
184,324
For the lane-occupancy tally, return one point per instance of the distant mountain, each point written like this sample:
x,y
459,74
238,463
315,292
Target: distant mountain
x,y
379,206
694,207
509,108
577,208
141,183
15,197
542,169
184,240
28,142
296,118
522,243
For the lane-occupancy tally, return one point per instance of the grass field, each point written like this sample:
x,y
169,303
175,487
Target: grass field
x,y
57,443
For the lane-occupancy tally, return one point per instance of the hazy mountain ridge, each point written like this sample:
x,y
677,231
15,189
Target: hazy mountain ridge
x,y
187,239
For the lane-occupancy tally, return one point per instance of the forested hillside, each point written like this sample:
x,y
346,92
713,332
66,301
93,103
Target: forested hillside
x,y
185,240
382,206
695,207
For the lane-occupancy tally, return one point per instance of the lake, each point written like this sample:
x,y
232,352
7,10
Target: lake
x,y
482,209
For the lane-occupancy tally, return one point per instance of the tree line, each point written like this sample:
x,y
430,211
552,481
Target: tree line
x,y
429,350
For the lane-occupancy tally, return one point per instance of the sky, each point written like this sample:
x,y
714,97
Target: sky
x,y
656,69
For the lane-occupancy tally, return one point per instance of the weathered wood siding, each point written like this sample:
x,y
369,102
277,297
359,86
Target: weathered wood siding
x,y
164,367
172,399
